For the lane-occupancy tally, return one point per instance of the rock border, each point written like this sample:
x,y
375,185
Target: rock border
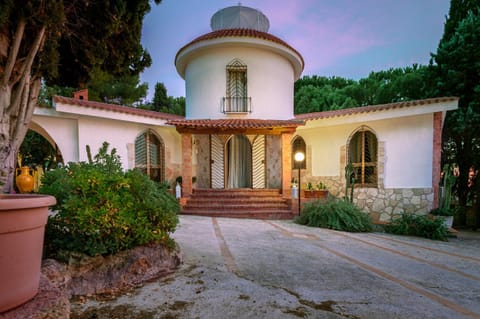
x,y
106,276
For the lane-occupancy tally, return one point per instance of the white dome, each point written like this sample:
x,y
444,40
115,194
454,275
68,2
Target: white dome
x,y
239,17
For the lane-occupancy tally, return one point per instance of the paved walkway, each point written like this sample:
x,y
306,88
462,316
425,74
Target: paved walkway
x,y
236,268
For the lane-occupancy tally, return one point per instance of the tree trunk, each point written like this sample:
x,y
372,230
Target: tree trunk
x,y
13,129
19,89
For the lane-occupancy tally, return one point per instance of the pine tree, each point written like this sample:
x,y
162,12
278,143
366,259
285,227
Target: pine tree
x,y
456,72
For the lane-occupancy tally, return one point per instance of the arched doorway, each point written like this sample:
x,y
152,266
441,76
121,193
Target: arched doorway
x,y
239,162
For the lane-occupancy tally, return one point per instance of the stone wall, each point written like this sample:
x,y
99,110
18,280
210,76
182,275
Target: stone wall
x,y
381,203
274,161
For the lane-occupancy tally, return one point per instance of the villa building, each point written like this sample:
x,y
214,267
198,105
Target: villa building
x,y
234,148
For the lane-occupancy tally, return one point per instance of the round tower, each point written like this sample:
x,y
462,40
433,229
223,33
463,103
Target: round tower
x,y
239,70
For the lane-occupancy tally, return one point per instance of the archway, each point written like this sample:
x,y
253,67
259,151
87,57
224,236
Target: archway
x,y
39,150
239,162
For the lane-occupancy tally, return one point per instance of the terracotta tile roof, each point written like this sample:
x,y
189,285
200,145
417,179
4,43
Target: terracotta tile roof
x,y
248,33
371,108
227,124
115,108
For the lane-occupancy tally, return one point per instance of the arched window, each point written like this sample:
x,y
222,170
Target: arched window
x,y
299,145
236,100
149,155
363,155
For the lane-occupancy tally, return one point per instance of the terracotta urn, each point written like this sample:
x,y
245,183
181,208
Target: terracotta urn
x,y
24,180
22,227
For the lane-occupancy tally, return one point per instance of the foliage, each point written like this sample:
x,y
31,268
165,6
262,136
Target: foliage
x,y
441,211
335,214
123,90
103,210
164,103
455,71
160,97
317,94
450,174
102,34
48,92
36,150
418,225
349,182
321,186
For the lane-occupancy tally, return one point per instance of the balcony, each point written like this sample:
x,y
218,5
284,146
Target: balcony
x,y
236,105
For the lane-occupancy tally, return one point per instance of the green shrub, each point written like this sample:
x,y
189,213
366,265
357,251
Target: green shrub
x,y
103,210
335,214
418,225
442,211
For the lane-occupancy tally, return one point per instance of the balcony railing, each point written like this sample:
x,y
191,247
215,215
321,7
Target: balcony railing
x,y
237,105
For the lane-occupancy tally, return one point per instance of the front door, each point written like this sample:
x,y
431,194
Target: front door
x,y
239,162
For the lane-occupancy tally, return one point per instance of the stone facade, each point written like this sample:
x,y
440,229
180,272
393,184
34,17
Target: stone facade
x,y
274,161
201,153
381,203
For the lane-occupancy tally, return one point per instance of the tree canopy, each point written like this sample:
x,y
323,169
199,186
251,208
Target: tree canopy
x,y
60,42
455,70
317,93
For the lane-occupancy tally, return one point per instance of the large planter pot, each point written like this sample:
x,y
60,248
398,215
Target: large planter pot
x,y
22,227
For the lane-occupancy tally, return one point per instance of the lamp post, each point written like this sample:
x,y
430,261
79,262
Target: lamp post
x,y
299,158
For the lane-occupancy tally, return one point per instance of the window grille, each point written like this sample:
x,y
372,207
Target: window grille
x,y
149,156
363,154
237,100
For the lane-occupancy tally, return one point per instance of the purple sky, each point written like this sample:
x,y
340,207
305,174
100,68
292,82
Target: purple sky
x,y
347,38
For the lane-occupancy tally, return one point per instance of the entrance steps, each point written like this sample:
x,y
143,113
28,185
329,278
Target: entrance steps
x,y
238,203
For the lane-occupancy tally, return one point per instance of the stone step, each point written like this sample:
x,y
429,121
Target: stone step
x,y
235,193
238,203
231,206
274,214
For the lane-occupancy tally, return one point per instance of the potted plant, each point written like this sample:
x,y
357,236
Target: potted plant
x,y
446,214
322,190
319,191
22,226
444,210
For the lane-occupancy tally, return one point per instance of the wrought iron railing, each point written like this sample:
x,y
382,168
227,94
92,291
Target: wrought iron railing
x,y
237,105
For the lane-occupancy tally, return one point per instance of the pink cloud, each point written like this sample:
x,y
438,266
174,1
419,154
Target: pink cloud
x,y
322,34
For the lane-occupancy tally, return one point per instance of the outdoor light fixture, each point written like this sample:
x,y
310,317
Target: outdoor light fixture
x,y
299,158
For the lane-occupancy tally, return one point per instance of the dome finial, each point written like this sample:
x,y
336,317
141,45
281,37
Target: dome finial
x,y
239,17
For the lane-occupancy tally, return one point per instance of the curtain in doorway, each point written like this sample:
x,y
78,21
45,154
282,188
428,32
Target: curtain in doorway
x,y
239,162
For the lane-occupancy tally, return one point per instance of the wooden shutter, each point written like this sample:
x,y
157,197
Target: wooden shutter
x,y
258,162
217,162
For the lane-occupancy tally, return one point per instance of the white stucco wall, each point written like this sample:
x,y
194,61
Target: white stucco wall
x,y
63,131
408,149
270,79
73,133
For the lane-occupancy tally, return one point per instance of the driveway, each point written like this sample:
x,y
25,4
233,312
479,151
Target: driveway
x,y
238,268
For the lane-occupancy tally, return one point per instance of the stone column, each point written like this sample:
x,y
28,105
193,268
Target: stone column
x,y
186,164
437,156
286,164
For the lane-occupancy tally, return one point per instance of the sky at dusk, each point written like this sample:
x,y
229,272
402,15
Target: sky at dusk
x,y
347,38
